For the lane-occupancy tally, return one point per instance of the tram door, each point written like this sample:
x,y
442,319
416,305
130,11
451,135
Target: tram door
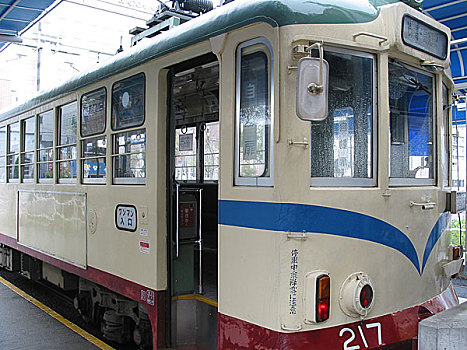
x,y
193,173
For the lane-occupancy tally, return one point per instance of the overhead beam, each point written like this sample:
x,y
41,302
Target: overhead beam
x,y
442,5
459,41
11,38
451,18
22,8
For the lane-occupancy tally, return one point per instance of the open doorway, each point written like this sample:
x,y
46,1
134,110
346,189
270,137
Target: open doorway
x,y
193,179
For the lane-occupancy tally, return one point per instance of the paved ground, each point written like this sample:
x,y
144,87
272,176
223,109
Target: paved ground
x,y
460,285
23,326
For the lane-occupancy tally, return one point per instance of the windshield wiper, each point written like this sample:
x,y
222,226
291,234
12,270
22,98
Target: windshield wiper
x,y
419,86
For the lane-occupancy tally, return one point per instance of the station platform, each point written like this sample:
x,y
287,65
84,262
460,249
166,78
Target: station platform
x,y
448,329
460,285
26,324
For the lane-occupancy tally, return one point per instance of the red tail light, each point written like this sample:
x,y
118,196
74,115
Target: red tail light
x,y
322,298
366,296
456,253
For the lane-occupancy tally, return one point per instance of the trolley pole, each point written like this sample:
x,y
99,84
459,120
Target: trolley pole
x,y
39,52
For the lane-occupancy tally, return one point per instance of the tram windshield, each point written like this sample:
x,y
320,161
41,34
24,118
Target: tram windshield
x,y
411,117
342,145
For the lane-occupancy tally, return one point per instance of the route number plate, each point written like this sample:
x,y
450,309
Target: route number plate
x,y
369,332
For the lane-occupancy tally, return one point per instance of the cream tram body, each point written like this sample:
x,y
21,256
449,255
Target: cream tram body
x,y
278,228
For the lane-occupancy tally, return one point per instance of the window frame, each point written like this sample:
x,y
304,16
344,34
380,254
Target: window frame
x,y
257,181
445,133
211,154
3,152
24,152
39,149
12,154
117,129
195,154
83,139
348,181
81,113
128,180
126,129
59,146
83,159
418,182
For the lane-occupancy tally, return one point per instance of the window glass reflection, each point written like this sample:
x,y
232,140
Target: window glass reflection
x,y
411,119
342,144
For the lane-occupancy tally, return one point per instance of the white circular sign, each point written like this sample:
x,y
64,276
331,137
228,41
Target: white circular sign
x,y
125,99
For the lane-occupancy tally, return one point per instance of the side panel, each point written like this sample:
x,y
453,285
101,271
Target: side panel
x,y
7,211
54,223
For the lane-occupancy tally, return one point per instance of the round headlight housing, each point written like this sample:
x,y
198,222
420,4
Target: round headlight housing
x,y
356,297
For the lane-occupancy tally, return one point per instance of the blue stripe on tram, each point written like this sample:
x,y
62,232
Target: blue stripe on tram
x,y
291,217
435,234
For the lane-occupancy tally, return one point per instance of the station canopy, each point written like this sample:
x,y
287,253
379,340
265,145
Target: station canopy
x,y
16,16
453,13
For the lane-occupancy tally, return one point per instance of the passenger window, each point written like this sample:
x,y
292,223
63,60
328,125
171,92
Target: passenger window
x,y
128,100
254,119
211,151
93,111
2,154
411,118
13,152
185,154
66,150
45,146
129,148
93,149
94,162
129,157
28,149
342,145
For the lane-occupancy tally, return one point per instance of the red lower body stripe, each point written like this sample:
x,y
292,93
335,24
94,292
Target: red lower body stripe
x,y
154,301
398,327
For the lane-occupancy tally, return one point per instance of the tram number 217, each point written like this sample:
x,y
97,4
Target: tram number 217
x,y
362,329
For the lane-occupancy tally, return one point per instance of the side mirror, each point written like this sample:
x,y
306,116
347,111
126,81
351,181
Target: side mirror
x,y
313,87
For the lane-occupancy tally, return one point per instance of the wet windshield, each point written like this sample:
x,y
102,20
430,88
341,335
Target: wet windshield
x,y
342,144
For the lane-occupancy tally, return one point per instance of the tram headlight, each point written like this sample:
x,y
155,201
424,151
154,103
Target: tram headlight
x,y
356,296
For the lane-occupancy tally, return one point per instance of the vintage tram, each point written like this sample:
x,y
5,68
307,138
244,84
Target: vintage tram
x,y
268,175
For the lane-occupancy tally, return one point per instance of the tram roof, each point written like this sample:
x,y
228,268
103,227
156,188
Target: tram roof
x,y
222,19
218,21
